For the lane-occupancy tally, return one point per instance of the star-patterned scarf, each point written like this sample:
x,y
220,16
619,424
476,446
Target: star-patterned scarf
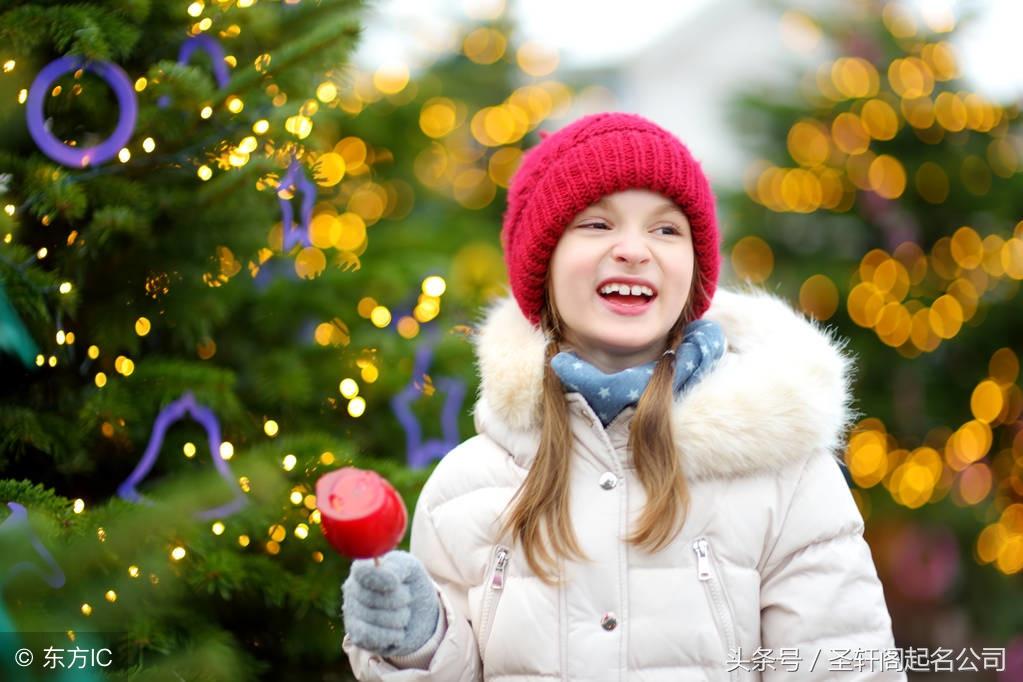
x,y
703,344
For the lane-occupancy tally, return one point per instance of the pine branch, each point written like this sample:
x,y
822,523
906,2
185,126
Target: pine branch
x,y
29,287
88,29
25,429
157,382
51,191
326,43
111,222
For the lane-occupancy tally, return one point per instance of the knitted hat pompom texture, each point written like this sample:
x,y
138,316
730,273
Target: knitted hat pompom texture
x,y
573,168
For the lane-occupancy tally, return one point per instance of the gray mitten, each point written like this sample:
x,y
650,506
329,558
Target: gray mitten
x,y
391,609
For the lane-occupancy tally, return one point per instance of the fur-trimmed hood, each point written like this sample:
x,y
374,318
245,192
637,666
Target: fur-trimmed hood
x,y
782,388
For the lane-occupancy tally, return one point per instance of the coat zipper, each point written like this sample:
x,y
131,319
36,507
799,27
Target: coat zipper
x,y
495,588
717,598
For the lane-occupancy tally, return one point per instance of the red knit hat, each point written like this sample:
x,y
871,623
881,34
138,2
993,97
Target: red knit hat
x,y
575,167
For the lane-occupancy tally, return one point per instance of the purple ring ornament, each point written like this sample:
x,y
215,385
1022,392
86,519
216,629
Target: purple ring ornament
x,y
170,414
75,157
210,46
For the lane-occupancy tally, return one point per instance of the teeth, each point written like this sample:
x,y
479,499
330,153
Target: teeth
x,y
626,290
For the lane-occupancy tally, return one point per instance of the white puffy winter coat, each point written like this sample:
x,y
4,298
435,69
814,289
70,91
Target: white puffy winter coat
x,y
771,556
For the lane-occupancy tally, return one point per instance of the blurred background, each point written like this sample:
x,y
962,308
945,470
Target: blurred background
x,y
245,243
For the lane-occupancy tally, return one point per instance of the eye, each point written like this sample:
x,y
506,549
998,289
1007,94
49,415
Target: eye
x,y
597,225
674,230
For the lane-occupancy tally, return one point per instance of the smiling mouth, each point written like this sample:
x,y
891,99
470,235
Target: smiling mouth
x,y
627,299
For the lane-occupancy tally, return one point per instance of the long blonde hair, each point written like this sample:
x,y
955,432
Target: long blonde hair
x,y
543,505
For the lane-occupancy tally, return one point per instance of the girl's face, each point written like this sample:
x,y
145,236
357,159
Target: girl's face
x,y
635,237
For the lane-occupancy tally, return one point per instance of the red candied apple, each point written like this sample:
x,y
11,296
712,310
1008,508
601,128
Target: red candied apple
x,y
361,514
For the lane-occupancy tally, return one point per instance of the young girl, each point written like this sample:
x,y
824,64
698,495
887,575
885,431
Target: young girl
x,y
654,492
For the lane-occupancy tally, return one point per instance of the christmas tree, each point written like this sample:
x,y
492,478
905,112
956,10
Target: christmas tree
x,y
223,253
887,202
164,409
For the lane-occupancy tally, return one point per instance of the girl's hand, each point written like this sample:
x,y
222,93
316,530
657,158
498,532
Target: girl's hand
x,y
390,609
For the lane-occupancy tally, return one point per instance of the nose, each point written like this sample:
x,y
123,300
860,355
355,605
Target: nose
x,y
630,247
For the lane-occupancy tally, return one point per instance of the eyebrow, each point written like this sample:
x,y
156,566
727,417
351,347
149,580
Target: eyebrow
x,y
660,210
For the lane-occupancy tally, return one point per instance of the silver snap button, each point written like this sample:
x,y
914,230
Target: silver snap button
x,y
608,480
609,621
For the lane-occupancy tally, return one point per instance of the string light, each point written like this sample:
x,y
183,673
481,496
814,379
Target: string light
x,y
349,388
434,286
357,406
248,145
380,317
326,92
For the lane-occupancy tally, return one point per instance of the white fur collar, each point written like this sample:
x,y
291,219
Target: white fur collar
x,y
782,389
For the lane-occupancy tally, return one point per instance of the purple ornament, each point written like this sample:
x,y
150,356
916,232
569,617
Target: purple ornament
x,y
17,519
295,177
170,414
75,157
210,46
418,453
